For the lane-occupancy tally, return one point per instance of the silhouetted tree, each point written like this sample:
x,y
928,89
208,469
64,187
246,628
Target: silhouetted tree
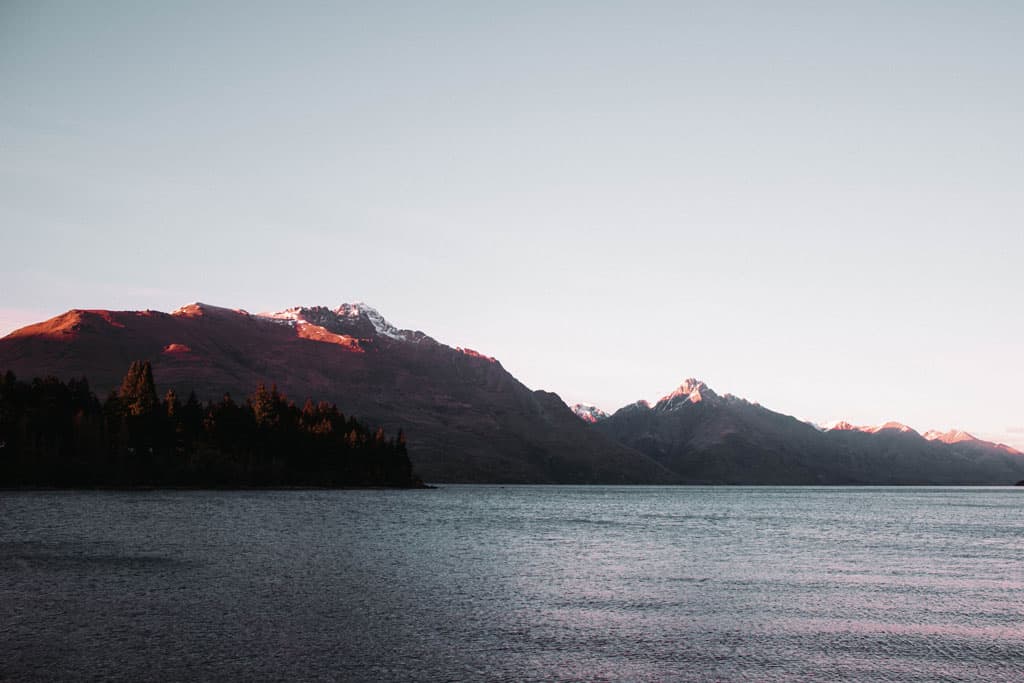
x,y
54,433
138,391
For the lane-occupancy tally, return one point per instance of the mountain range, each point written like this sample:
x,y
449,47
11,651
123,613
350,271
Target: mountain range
x,y
707,438
467,419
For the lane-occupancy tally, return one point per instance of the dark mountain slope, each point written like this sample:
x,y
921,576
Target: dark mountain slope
x,y
707,438
466,418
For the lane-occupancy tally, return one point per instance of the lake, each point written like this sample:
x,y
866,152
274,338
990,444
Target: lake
x,y
515,583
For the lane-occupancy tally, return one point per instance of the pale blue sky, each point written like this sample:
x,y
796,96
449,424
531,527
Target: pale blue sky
x,y
816,205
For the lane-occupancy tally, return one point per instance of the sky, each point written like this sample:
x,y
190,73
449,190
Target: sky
x,y
818,206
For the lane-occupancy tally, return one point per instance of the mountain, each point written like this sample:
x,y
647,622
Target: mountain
x,y
952,436
465,417
468,420
844,426
957,437
963,440
588,413
704,437
707,438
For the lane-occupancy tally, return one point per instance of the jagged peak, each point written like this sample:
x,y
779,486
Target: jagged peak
x,y
688,386
301,315
690,391
588,413
345,313
360,309
356,308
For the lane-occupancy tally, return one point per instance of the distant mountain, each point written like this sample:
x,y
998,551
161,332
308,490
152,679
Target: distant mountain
x,y
952,436
963,440
588,413
465,417
844,426
707,438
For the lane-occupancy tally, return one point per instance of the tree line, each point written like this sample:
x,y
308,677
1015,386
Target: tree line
x,y
54,433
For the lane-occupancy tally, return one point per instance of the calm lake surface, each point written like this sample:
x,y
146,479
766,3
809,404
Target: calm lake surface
x,y
515,583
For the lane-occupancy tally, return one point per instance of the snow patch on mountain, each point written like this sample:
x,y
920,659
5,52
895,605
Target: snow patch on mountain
x,y
951,436
588,413
359,309
844,426
347,316
198,308
689,392
894,427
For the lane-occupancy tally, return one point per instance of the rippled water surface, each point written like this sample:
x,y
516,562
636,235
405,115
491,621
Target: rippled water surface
x,y
515,583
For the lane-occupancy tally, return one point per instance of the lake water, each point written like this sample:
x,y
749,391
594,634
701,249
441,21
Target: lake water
x,y
515,583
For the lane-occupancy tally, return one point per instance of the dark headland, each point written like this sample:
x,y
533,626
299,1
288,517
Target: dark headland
x,y
57,434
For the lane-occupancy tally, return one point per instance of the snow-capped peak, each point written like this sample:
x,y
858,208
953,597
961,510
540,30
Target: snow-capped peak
x,y
298,316
290,314
894,427
844,426
382,326
690,391
357,320
952,436
588,413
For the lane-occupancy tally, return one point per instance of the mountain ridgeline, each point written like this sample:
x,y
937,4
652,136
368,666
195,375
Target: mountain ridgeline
x,y
707,438
467,419
60,434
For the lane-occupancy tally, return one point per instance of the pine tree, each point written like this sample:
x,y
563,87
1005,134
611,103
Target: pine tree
x,y
61,434
138,391
171,404
309,411
265,406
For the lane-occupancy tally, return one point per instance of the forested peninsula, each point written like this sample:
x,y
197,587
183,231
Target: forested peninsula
x,y
57,434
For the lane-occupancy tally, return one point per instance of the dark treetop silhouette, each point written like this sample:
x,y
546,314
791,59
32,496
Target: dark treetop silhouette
x,y
57,434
